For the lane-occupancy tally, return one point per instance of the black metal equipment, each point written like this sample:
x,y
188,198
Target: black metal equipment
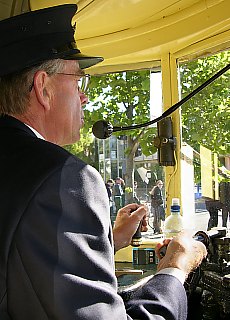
x,y
208,287
165,142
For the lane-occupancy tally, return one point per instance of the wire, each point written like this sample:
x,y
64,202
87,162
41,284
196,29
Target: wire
x,y
174,172
176,105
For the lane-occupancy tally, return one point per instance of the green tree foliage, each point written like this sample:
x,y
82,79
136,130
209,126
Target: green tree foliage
x,y
206,117
123,99
85,148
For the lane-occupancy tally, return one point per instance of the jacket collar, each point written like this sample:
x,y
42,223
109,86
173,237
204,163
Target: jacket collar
x,y
11,122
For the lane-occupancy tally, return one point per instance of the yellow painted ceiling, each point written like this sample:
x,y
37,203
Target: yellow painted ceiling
x,y
138,33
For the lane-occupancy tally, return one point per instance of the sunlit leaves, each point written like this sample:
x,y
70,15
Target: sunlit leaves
x,y
206,117
125,97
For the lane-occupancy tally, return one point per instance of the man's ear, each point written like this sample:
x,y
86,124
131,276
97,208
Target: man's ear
x,y
41,88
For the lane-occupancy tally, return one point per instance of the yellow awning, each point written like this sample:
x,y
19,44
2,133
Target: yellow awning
x,y
133,34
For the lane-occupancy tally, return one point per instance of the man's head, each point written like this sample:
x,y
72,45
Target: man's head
x,y
110,183
41,87
159,183
118,180
47,98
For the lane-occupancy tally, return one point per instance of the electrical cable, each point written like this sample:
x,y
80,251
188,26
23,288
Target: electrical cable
x,y
103,129
181,102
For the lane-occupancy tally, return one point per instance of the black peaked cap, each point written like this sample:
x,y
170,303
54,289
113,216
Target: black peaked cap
x,y
33,37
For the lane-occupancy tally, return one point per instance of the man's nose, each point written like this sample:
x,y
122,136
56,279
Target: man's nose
x,y
83,97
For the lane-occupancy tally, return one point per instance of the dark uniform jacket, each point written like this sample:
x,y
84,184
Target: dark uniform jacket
x,y
156,197
56,248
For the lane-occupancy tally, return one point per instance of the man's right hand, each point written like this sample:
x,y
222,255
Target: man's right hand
x,y
183,252
126,223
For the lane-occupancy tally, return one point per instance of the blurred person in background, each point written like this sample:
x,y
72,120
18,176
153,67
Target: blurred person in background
x,y
157,205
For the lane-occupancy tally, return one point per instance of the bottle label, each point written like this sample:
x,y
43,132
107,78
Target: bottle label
x,y
175,209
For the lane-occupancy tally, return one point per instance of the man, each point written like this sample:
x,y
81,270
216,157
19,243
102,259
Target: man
x,y
213,207
56,244
118,193
109,188
157,206
135,197
224,190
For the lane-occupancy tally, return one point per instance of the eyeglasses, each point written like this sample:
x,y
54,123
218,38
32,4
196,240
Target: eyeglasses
x,y
82,80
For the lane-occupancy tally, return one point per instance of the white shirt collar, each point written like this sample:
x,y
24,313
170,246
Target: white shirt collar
x,y
38,135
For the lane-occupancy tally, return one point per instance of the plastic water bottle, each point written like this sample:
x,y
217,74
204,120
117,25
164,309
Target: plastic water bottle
x,y
173,223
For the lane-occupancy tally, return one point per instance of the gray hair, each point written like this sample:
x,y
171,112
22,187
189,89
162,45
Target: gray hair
x,y
15,89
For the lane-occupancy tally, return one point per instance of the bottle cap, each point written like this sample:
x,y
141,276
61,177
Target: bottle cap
x,y
175,201
175,207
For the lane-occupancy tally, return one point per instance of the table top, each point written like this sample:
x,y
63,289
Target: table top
x,y
134,272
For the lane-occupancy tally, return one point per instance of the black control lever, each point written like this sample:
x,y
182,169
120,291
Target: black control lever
x,y
137,238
